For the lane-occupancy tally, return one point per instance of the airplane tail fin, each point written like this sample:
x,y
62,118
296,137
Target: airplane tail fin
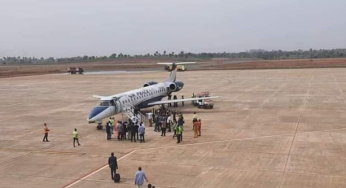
x,y
173,76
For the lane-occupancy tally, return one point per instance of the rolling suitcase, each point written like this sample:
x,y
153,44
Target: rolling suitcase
x,y
117,178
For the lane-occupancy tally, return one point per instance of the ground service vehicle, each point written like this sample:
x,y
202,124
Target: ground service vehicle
x,y
75,70
203,103
179,68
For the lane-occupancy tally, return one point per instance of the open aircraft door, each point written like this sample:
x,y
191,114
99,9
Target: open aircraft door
x,y
117,105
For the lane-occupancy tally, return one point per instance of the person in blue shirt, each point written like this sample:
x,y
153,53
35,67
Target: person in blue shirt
x,y
141,131
140,177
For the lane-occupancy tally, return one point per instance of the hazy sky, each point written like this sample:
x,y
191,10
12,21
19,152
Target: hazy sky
x,y
62,28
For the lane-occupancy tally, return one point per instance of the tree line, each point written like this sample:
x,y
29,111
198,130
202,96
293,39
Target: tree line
x,y
255,54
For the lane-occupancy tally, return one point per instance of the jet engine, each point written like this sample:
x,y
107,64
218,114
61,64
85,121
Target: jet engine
x,y
176,86
149,84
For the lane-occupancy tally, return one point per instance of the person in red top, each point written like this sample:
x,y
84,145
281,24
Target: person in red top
x,y
45,131
199,127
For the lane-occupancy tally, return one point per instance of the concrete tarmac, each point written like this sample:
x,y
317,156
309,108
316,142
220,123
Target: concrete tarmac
x,y
270,129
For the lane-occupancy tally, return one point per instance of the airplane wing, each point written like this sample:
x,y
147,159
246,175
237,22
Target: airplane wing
x,y
178,63
104,98
182,100
107,98
98,96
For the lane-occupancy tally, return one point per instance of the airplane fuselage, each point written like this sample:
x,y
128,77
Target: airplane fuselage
x,y
137,99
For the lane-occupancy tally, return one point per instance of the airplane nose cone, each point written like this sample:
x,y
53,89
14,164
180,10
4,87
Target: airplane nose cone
x,y
96,111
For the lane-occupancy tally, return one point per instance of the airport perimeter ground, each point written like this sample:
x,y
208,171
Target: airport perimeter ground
x,y
270,129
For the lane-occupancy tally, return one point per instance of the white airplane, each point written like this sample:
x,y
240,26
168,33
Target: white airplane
x,y
149,95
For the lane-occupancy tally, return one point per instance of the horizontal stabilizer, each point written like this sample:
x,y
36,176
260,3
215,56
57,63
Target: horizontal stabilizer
x,y
182,100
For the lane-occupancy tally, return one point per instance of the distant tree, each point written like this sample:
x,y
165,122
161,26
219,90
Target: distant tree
x,y
113,56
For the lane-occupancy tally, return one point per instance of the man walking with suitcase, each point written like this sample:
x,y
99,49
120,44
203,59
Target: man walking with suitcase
x,y
113,165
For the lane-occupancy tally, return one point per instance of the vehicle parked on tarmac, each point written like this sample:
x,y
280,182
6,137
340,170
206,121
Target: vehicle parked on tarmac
x,y
203,103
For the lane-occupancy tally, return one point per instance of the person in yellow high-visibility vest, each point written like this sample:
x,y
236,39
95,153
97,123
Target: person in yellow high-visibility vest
x,y
75,137
112,121
179,133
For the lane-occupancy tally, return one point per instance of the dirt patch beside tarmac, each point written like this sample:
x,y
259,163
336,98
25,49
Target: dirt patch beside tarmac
x,y
278,64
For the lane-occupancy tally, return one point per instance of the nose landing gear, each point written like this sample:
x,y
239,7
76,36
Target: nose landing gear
x,y
99,125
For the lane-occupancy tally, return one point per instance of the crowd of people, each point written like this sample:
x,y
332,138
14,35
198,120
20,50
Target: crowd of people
x,y
166,120
163,119
131,130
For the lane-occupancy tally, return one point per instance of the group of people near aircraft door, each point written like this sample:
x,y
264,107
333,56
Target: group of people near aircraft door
x,y
126,130
161,118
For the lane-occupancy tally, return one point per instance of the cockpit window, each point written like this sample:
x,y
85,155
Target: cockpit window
x,y
105,103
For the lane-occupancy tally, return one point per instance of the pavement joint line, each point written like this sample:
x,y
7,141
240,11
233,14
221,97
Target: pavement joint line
x,y
259,138
41,151
296,130
227,84
12,159
246,91
217,167
103,167
217,141
338,85
327,130
94,172
253,111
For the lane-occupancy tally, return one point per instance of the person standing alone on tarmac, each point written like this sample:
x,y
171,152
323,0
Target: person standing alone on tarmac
x,y
45,131
75,138
182,102
139,178
113,165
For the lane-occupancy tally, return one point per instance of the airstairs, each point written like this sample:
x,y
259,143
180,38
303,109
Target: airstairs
x,y
132,113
